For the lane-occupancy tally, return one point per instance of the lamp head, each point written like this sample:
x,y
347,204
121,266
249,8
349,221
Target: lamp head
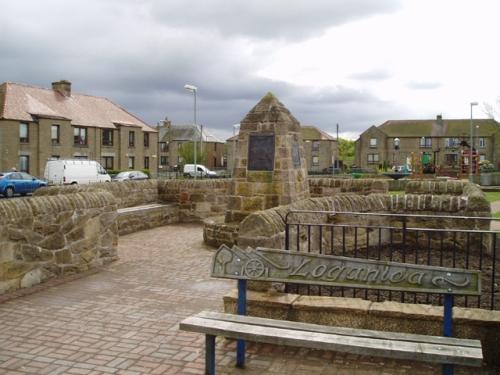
x,y
473,103
191,88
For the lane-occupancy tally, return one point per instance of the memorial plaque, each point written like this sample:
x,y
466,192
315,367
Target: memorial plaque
x,y
307,268
296,155
261,152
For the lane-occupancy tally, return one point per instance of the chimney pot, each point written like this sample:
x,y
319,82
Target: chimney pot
x,y
63,87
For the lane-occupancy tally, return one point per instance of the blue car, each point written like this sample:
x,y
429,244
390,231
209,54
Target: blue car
x,y
18,183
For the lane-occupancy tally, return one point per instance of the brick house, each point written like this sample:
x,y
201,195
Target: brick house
x,y
438,142
172,137
37,124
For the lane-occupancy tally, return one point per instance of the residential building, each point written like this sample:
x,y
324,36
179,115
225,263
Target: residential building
x,y
37,124
438,142
172,137
321,150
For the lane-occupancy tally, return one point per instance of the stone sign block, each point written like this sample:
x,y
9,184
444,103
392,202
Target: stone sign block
x,y
261,152
306,268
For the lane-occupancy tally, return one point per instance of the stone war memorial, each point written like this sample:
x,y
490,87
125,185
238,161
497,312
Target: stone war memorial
x,y
269,167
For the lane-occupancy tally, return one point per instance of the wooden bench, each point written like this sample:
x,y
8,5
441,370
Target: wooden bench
x,y
306,268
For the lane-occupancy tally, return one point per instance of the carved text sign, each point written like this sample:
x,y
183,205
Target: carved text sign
x,y
306,268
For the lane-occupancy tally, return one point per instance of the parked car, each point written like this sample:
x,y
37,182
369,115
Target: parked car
x,y
18,183
130,176
202,171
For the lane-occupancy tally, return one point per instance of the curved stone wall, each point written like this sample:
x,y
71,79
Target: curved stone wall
x,y
266,228
41,237
197,199
326,186
126,194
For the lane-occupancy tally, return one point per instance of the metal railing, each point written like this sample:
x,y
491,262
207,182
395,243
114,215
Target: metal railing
x,y
405,238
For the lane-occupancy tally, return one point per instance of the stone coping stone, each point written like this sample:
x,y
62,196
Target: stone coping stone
x,y
265,298
142,207
394,309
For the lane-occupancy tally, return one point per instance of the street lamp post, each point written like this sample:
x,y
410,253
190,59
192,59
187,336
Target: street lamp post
x,y
194,89
472,104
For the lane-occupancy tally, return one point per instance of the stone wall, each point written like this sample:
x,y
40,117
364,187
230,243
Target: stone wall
x,y
197,199
468,323
126,194
326,186
46,236
266,228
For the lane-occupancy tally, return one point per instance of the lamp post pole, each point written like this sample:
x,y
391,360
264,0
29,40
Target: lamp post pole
x,y
194,89
472,104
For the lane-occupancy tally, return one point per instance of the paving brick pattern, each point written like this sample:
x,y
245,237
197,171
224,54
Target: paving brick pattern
x,y
123,320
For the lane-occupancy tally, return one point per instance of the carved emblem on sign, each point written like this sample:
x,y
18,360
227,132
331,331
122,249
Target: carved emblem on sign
x,y
261,152
307,268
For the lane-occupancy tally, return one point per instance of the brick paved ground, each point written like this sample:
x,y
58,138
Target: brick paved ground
x,y
123,320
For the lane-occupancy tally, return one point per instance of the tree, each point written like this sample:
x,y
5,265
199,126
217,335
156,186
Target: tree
x,y
346,151
186,152
493,110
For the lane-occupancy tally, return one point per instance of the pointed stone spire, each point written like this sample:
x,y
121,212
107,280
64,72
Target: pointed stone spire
x,y
269,168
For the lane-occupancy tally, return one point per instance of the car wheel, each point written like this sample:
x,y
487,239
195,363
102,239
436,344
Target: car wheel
x,y
9,192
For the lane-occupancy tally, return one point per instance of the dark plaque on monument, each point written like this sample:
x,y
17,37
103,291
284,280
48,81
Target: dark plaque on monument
x,y
261,152
296,155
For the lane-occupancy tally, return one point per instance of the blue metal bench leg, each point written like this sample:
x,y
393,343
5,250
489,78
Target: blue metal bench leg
x,y
448,328
242,310
209,355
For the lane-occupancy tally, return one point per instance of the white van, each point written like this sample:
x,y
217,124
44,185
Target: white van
x,y
74,171
202,171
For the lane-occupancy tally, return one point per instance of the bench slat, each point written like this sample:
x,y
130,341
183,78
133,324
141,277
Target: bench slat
x,y
252,320
437,353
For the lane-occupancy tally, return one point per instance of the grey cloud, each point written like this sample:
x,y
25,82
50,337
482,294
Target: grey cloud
x,y
292,19
140,58
372,75
422,85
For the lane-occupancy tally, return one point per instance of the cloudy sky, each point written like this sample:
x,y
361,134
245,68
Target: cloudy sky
x,y
352,62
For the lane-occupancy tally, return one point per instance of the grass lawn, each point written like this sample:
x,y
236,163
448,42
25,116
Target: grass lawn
x,y
492,196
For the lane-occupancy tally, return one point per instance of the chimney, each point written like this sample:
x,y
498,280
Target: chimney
x,y
63,87
439,120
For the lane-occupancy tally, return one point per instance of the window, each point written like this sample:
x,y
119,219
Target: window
x,y
131,139
315,145
55,134
146,139
215,147
108,162
482,157
451,142
373,158
24,134
80,157
146,162
24,163
315,160
426,142
163,146
80,136
55,157
373,142
107,137
451,159
163,160
131,162
482,142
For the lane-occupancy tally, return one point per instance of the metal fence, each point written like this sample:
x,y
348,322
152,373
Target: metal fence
x,y
405,238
